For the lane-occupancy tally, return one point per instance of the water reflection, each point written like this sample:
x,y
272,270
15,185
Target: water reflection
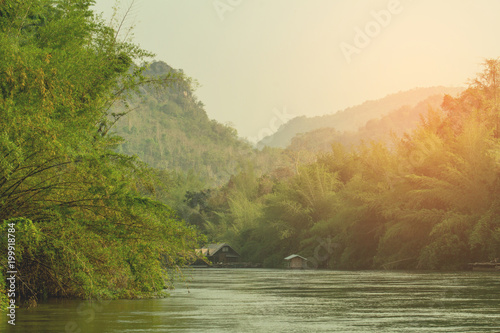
x,y
258,300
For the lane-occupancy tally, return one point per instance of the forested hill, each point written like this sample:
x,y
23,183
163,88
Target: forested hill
x,y
169,129
384,129
354,117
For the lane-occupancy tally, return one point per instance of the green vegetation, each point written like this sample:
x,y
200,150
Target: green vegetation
x,y
111,171
170,130
429,200
85,219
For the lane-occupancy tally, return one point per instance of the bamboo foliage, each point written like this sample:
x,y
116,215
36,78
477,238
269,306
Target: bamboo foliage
x,y
93,234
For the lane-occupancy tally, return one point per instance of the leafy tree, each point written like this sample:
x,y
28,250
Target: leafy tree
x,y
87,227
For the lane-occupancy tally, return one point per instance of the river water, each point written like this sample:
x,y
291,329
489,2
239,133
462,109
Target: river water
x,y
262,300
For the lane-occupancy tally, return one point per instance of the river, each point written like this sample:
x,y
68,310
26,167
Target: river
x,y
262,300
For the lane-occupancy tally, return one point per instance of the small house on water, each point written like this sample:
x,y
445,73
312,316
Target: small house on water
x,y
221,253
296,262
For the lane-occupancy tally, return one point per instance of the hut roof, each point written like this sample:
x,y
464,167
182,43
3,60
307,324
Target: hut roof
x,y
290,257
211,249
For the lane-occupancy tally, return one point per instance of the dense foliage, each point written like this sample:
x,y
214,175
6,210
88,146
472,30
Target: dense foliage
x,y
85,222
430,200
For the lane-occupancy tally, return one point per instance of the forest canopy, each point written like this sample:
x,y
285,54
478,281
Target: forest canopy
x,y
427,200
86,224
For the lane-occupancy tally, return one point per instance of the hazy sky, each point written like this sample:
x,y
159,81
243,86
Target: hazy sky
x,y
260,61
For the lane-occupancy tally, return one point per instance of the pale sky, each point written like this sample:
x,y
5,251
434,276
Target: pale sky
x,y
257,59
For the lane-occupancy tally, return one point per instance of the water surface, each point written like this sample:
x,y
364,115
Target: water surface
x,y
261,300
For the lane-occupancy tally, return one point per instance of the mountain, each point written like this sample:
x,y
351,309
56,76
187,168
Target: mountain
x,y
169,129
400,121
354,117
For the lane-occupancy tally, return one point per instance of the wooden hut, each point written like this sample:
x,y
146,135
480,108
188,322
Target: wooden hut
x,y
221,253
295,261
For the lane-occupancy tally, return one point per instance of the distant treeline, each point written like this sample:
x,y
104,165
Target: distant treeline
x,y
429,200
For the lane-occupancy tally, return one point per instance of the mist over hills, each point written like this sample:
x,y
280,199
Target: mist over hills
x,y
384,129
352,118
169,129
